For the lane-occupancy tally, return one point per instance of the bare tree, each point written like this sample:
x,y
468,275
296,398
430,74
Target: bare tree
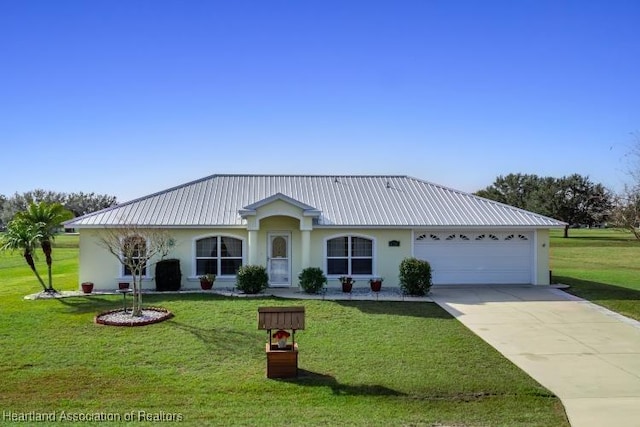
x,y
137,249
633,163
626,211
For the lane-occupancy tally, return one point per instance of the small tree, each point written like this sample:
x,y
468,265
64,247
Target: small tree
x,y
21,235
134,248
46,217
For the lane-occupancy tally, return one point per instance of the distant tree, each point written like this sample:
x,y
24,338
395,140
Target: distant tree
x,y
24,236
135,248
78,203
578,201
573,199
46,218
20,202
514,189
82,204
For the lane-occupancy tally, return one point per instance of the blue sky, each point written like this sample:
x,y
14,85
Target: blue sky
x,y
131,97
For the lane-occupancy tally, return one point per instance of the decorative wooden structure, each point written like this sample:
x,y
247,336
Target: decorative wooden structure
x,y
282,360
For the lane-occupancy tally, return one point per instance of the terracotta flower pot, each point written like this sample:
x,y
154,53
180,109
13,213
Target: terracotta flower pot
x,y
346,286
376,285
206,285
87,287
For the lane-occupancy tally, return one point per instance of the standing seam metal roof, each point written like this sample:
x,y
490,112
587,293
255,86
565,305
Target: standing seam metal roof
x,y
344,200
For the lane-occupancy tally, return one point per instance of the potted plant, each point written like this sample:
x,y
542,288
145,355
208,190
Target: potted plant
x,y
87,287
206,281
376,283
347,283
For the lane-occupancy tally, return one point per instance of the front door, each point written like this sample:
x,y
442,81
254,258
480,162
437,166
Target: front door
x,y
279,265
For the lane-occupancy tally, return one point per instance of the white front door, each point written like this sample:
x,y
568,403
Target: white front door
x,y
278,261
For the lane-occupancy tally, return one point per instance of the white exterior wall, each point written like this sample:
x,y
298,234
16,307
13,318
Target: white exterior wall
x,y
541,257
100,267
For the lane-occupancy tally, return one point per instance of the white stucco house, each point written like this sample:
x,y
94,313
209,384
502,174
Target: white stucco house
x,y
362,226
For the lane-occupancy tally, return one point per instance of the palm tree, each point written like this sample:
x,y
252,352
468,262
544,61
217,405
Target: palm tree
x,y
21,235
46,217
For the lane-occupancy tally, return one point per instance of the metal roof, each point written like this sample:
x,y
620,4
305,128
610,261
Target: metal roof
x,y
340,200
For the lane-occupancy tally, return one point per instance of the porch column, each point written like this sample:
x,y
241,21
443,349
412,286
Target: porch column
x,y
252,242
305,240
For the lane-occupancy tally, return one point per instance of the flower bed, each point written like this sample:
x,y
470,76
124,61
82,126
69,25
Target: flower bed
x,y
119,317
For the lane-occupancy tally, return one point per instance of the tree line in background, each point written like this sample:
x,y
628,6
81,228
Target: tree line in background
x,y
574,199
77,203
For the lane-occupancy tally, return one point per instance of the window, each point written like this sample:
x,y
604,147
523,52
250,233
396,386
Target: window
x,y
349,255
219,255
134,253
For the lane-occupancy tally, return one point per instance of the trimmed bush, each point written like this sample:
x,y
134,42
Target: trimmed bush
x,y
312,279
252,279
415,276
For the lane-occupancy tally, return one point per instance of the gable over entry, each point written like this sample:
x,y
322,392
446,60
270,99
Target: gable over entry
x,y
279,205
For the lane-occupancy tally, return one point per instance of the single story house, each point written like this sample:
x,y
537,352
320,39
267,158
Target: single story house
x,y
362,226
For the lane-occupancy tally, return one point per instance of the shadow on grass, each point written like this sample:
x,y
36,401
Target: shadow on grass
x,y
398,308
160,297
219,338
92,304
596,290
314,379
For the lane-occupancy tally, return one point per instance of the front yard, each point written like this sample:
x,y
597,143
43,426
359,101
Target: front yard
x,y
363,363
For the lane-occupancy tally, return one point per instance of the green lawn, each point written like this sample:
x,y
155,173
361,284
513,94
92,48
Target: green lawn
x,y
601,266
363,363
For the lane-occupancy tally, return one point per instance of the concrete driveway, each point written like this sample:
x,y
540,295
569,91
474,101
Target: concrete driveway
x,y
587,355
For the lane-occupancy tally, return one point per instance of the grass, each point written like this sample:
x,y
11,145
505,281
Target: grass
x,y
362,363
600,266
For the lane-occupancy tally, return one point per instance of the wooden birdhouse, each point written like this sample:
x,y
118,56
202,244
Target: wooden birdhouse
x,y
281,324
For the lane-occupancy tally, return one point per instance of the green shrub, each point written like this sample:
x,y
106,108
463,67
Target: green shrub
x,y
312,279
415,276
252,279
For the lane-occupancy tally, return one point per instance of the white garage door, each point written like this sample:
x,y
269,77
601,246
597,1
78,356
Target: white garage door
x,y
482,257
